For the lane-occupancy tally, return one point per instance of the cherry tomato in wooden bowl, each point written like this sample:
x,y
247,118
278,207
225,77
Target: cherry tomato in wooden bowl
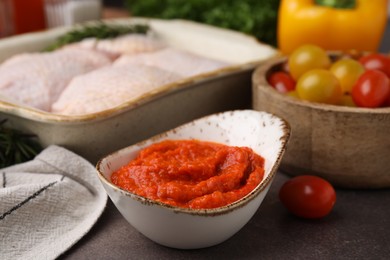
x,y
307,57
319,85
372,89
376,61
308,196
282,81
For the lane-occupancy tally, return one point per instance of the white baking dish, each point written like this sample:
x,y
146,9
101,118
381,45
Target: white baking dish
x,y
95,135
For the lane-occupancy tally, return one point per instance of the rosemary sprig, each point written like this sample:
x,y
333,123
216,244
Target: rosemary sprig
x,y
16,147
99,30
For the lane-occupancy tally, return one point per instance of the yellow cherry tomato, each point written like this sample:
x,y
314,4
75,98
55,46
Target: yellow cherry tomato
x,y
307,57
319,85
293,93
347,71
347,101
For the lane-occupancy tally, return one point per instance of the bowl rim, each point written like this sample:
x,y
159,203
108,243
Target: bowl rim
x,y
259,80
286,129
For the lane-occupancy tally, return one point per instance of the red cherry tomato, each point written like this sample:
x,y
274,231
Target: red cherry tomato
x,y
387,102
372,89
282,81
376,61
308,196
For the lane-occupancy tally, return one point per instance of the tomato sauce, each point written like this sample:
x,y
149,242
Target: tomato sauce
x,y
191,173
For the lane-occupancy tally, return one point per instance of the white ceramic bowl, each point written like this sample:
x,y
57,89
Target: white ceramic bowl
x,y
182,228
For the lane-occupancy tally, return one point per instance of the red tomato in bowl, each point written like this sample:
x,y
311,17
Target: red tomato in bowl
x,y
376,61
308,196
387,102
282,81
372,89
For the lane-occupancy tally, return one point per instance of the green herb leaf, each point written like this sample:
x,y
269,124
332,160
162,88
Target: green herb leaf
x,y
16,147
254,17
100,31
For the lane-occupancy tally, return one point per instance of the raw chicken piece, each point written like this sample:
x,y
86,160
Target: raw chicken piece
x,y
126,44
181,62
109,87
37,79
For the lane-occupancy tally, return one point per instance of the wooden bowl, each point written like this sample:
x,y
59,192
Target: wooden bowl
x,y
348,146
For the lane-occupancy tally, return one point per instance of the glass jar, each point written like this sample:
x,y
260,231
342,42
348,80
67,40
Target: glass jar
x,y
6,19
69,12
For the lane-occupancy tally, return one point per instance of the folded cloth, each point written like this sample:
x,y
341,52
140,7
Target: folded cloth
x,y
47,204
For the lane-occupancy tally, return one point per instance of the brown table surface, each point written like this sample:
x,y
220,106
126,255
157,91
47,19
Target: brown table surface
x,y
357,228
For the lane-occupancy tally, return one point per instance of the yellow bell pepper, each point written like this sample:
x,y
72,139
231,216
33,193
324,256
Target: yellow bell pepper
x,y
305,22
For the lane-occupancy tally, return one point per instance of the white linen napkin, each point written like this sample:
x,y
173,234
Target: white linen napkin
x,y
48,204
